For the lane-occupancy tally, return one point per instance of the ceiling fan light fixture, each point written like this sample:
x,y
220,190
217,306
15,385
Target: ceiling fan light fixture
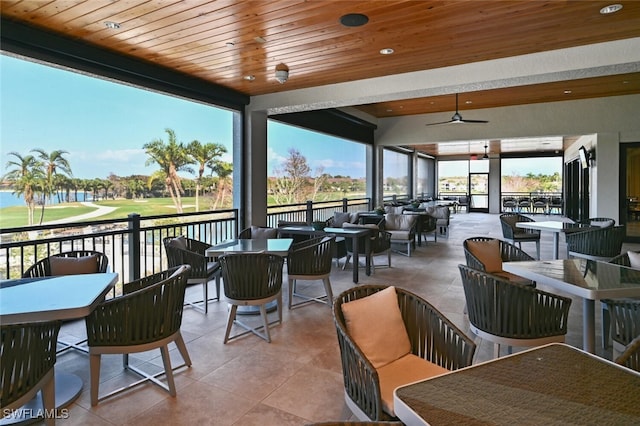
x,y
282,76
612,8
485,156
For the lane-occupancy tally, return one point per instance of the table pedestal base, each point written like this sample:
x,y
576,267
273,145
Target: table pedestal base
x,y
255,310
68,387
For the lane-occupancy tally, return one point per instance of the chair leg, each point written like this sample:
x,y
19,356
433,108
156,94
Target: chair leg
x,y
496,350
182,348
279,307
327,289
538,249
292,284
49,400
346,261
606,326
265,322
166,361
94,372
230,319
205,296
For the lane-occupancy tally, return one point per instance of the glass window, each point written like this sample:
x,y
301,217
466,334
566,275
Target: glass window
x,y
453,177
101,127
425,175
306,165
396,173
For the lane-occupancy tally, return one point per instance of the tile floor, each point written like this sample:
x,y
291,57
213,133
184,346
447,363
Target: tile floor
x,y
297,378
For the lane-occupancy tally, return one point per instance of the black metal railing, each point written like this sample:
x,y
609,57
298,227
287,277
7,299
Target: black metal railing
x,y
314,211
133,245
532,202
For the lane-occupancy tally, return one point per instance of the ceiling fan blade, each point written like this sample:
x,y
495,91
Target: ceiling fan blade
x,y
439,123
473,121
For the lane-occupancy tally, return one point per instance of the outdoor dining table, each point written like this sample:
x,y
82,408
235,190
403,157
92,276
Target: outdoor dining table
x,y
589,279
64,297
556,227
278,246
551,384
354,233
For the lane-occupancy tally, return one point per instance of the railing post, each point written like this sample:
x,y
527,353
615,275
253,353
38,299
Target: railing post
x,y
134,246
309,212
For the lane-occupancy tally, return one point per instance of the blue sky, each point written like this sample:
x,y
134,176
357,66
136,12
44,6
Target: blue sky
x,y
41,106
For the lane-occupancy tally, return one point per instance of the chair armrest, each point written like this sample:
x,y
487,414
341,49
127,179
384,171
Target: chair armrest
x,y
197,246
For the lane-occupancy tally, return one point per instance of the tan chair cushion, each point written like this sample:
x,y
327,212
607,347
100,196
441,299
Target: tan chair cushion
x,y
73,265
487,252
340,218
263,233
408,369
634,259
375,325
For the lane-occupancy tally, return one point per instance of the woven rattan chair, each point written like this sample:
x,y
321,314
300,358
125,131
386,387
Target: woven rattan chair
x,y
147,316
27,358
625,322
630,357
251,279
507,252
379,242
433,337
512,314
622,260
514,235
187,251
310,260
596,244
66,263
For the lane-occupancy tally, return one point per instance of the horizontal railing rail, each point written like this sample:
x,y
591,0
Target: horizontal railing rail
x,y
314,211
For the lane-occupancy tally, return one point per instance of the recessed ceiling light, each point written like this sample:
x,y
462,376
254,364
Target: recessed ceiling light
x,y
468,102
354,19
612,8
389,110
567,92
386,51
111,25
260,40
229,44
249,77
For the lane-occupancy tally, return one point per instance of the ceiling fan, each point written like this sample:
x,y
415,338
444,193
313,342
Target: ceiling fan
x,y
457,118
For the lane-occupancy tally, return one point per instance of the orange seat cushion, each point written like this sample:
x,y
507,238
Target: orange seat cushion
x,y
73,265
487,252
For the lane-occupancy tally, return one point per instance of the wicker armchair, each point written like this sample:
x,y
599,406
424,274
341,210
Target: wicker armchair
x,y
147,316
27,358
379,243
187,251
251,279
512,314
66,263
625,322
311,260
630,358
596,244
477,254
432,336
514,235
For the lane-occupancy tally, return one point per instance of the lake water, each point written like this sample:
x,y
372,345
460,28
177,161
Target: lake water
x,y
7,199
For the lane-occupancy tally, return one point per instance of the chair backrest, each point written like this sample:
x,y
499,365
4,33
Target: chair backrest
x,y
404,222
187,251
27,354
603,222
312,256
623,260
507,309
149,310
507,251
508,222
625,319
599,242
251,276
70,262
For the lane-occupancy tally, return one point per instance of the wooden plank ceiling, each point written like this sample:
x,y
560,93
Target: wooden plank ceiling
x,y
240,44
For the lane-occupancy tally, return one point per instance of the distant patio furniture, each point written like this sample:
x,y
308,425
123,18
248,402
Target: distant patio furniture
x,y
540,205
556,205
254,232
524,204
509,204
463,201
403,230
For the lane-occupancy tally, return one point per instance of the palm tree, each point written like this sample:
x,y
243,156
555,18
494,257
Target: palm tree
x,y
25,177
172,158
223,169
203,155
52,163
